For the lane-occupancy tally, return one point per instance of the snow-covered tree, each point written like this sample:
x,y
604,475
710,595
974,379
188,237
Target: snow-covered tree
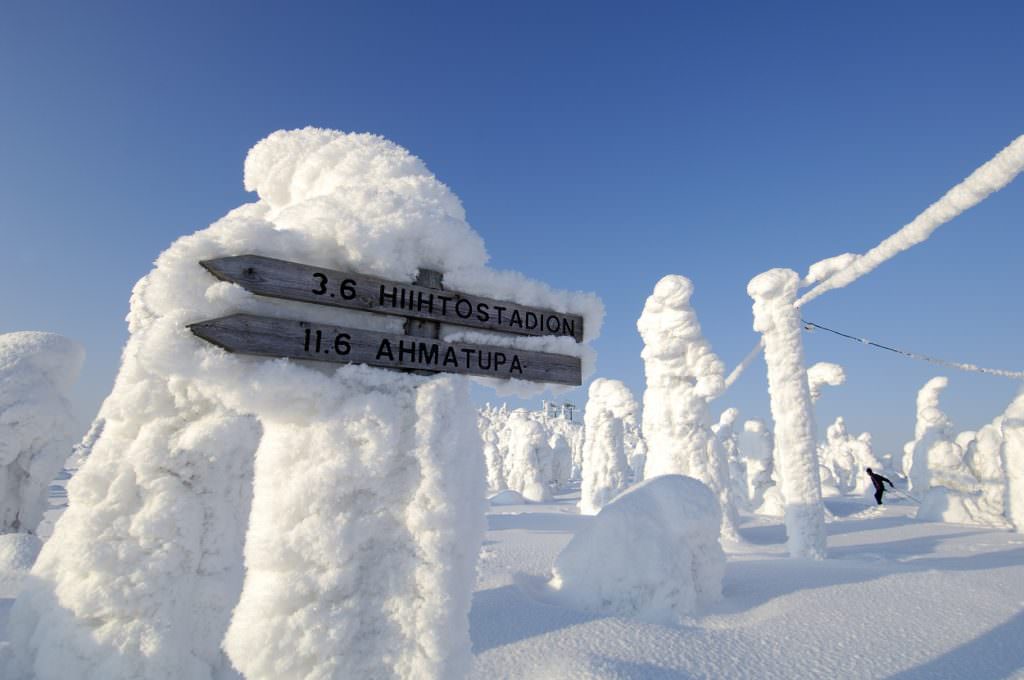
x,y
778,320
37,372
846,456
683,376
605,467
527,465
824,373
755,448
1012,455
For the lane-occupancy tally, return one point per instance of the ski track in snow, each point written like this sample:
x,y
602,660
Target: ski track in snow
x,y
896,599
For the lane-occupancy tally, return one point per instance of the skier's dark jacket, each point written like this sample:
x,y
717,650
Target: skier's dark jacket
x,y
878,480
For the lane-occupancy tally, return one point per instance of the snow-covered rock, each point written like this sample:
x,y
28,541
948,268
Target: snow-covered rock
x,y
653,552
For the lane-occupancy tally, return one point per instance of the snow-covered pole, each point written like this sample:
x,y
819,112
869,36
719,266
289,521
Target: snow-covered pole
x,y
776,317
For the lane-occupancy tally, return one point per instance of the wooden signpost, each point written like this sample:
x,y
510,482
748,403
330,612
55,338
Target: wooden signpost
x,y
424,304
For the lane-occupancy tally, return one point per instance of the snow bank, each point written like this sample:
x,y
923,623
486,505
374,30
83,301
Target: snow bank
x,y
776,317
605,468
37,372
683,375
145,566
507,497
653,553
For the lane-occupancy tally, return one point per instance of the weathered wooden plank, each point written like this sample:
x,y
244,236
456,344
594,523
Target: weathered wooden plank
x,y
271,337
305,283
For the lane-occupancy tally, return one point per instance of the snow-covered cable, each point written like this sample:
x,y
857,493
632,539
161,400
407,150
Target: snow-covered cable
x,y
989,178
1017,375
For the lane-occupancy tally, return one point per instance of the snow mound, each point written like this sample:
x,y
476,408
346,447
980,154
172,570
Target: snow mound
x,y
507,497
941,504
652,553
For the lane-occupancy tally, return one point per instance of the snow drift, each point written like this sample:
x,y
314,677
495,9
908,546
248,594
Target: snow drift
x,y
653,552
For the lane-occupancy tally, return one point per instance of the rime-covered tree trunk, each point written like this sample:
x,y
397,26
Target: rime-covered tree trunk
x,y
776,317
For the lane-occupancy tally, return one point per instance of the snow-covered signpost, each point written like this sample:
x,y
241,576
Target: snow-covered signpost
x,y
356,494
777,318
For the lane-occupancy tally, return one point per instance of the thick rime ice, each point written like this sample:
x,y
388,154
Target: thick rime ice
x,y
931,430
1012,455
558,462
528,457
776,317
727,439
653,552
342,545
683,375
824,373
37,372
755,448
959,478
80,451
990,177
605,468
844,457
145,567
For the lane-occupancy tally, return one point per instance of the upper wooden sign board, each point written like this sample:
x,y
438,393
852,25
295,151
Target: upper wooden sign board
x,y
305,283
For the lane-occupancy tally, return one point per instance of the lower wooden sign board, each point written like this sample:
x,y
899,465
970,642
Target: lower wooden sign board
x,y
272,337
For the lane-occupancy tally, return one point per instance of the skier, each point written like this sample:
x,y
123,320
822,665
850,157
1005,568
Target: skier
x,y
879,486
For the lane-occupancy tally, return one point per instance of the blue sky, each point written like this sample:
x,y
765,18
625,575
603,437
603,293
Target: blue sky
x,y
595,146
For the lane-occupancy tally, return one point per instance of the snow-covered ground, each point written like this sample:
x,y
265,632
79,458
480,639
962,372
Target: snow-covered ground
x,y
897,598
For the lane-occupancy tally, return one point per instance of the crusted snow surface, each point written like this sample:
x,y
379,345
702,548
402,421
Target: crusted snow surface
x,y
896,599
653,552
145,568
37,372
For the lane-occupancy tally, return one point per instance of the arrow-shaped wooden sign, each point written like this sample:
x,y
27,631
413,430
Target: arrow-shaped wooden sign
x,y
305,283
272,337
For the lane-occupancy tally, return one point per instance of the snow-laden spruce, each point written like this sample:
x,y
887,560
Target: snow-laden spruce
x,y
528,463
37,372
369,483
683,375
846,456
755,448
824,373
605,467
932,429
653,552
777,319
1012,455
959,478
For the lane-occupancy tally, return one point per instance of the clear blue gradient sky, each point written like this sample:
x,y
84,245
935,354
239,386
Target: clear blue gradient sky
x,y
595,146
